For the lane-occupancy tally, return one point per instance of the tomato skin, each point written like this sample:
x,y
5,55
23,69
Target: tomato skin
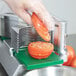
x,y
40,57
71,55
40,50
73,63
40,27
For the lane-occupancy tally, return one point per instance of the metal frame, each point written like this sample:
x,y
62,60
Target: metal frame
x,y
11,65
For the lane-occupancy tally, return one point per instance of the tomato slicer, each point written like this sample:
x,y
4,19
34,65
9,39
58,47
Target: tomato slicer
x,y
15,36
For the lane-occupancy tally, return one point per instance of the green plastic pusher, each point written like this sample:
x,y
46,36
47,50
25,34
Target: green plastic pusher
x,y
54,59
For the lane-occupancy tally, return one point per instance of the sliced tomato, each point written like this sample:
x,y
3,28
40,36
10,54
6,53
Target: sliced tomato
x,y
73,63
40,27
71,55
40,50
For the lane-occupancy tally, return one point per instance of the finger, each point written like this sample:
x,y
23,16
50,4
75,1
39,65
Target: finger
x,y
43,14
25,16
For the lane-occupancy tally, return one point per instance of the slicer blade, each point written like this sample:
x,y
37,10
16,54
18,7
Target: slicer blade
x,y
21,36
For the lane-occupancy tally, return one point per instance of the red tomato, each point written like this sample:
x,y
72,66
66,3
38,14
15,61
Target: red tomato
x,y
40,27
40,50
71,55
73,63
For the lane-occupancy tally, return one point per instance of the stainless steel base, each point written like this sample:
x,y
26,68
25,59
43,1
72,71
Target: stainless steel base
x,y
2,71
10,64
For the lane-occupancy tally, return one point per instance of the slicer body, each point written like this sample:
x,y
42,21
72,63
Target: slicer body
x,y
15,35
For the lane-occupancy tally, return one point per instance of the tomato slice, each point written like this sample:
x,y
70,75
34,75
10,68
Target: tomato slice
x,y
40,27
40,50
71,55
73,63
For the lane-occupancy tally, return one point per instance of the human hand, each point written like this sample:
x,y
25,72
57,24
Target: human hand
x,y
23,7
